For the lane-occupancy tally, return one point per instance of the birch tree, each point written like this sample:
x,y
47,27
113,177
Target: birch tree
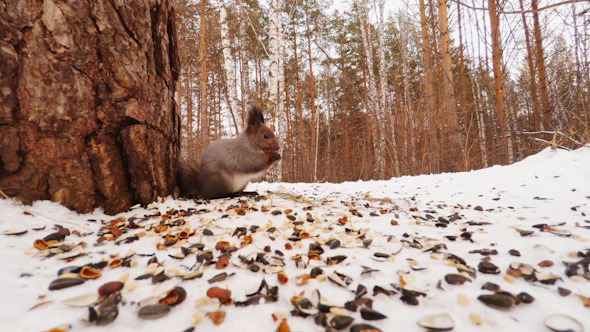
x,y
373,106
228,66
384,97
274,38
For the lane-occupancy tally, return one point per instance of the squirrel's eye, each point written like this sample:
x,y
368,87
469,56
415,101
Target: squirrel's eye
x,y
266,136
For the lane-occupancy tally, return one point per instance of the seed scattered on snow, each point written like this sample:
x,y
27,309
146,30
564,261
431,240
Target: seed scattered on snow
x,y
316,243
438,322
563,323
153,311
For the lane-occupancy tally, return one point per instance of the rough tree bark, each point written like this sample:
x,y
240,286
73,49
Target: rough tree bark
x,y
204,127
87,112
455,154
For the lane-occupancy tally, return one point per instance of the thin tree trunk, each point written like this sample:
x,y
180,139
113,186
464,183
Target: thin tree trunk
x,y
467,114
370,132
347,160
313,145
430,135
274,49
204,130
301,159
374,107
455,146
534,96
245,70
481,124
275,73
581,75
545,105
437,76
228,66
385,107
499,84
189,114
287,165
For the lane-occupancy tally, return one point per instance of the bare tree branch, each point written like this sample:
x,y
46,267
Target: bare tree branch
x,y
520,11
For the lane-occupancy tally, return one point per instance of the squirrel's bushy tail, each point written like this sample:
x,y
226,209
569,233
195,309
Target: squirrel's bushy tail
x,y
186,178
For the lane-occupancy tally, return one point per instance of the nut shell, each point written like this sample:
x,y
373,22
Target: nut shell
x,y
110,288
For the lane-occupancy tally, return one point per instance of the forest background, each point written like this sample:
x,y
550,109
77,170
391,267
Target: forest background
x,y
369,89
100,100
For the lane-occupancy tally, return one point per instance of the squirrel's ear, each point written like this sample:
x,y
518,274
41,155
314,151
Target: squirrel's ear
x,y
255,119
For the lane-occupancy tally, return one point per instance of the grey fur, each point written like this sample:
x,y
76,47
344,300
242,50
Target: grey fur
x,y
229,164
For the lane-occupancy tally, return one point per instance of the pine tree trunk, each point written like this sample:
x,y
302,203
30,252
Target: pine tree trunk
x,y
87,112
347,174
189,148
454,144
245,70
203,109
529,53
499,84
301,163
430,134
385,107
545,105
313,146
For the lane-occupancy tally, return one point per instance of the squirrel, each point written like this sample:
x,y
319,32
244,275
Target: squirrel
x,y
229,164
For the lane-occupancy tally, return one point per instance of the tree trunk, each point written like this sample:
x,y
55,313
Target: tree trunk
x,y
87,112
301,159
529,57
437,76
228,66
203,109
287,164
454,144
499,85
430,135
347,174
245,70
545,105
373,101
276,75
313,146
385,107
466,112
189,148
274,17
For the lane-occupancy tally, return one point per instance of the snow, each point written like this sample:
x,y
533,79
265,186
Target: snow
x,y
551,187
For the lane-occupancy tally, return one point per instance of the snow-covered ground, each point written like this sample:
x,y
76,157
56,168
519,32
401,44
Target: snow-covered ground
x,y
517,227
